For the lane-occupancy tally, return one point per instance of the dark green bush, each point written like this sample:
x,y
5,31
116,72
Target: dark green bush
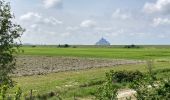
x,y
63,46
131,46
33,46
126,76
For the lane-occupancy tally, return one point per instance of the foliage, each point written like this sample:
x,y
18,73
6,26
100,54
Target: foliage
x,y
5,96
9,37
33,46
108,91
152,89
18,93
64,46
125,76
131,46
3,90
147,86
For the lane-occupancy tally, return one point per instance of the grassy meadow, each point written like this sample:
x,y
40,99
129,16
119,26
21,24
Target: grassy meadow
x,y
84,83
145,52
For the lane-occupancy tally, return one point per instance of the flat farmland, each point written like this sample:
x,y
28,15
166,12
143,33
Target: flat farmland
x,y
79,71
154,52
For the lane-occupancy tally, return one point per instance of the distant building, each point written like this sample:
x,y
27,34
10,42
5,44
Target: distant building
x,y
102,41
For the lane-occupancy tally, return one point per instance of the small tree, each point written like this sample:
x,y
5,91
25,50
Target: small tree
x,y
10,34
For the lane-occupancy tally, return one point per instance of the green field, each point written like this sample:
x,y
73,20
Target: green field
x,y
69,84
156,52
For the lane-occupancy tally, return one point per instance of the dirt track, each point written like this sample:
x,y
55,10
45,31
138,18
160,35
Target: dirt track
x,y
36,65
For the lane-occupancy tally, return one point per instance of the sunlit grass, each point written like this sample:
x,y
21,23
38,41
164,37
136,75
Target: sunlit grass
x,y
114,53
68,83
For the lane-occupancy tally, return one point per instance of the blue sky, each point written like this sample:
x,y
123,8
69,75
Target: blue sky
x,y
86,21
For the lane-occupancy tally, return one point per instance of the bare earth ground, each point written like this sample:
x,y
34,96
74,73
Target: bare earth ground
x,y
37,65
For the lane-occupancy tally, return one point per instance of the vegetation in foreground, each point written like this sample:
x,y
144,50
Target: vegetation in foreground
x,y
9,34
81,84
145,85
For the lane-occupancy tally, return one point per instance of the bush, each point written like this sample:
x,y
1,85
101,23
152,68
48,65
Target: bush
x,y
147,86
125,76
3,90
152,89
64,46
33,46
131,46
108,91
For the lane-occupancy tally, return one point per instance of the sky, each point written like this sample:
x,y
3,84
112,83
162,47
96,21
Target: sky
x,y
86,21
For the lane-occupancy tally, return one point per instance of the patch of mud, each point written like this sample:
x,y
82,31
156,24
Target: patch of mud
x,y
37,65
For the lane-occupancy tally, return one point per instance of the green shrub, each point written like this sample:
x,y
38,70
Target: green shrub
x,y
63,46
147,86
152,89
18,94
126,76
108,91
131,46
3,91
33,46
4,95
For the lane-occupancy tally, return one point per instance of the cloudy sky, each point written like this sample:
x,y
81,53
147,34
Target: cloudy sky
x,y
86,21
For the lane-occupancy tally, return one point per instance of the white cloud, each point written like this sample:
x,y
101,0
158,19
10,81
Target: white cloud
x,y
162,36
65,34
88,24
34,26
71,28
52,21
161,21
29,16
52,3
138,34
32,17
161,6
118,14
103,28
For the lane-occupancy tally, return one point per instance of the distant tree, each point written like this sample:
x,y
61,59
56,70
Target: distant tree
x,y
63,46
10,34
66,45
131,46
33,46
59,45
